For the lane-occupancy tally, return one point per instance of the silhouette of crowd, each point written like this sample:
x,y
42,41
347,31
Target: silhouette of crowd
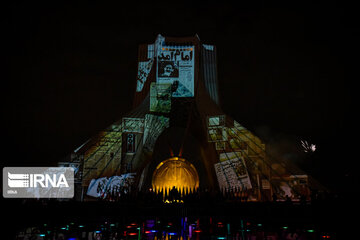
x,y
198,195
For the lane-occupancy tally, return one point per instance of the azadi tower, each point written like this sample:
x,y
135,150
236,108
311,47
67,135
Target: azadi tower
x,y
177,135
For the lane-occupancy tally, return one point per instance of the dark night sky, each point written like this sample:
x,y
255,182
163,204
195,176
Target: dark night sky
x,y
283,70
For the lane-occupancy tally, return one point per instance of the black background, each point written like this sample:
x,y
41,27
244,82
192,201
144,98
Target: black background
x,y
283,69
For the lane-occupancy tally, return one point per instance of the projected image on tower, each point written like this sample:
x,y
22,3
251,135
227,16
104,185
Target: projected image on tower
x,y
231,171
160,97
144,69
175,65
168,69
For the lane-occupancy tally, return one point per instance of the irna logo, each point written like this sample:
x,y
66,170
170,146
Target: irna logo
x,y
36,180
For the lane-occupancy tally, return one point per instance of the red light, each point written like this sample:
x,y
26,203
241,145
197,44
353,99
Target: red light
x,y
170,224
133,224
132,234
147,232
197,231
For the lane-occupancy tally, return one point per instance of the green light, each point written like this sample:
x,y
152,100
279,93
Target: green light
x,y
81,226
42,235
285,227
259,225
311,230
63,228
221,238
112,225
45,224
72,223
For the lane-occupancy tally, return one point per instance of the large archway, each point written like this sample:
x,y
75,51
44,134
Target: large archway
x,y
168,145
175,172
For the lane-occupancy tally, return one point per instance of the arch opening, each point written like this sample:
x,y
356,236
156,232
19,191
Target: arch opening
x,y
175,172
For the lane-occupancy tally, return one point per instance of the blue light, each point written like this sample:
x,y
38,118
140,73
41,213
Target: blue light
x,y
42,235
71,238
171,234
221,238
97,231
153,231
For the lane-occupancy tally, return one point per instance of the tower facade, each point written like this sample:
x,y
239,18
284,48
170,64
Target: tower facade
x,y
177,135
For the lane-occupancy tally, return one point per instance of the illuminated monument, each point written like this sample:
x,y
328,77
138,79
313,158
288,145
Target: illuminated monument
x,y
178,136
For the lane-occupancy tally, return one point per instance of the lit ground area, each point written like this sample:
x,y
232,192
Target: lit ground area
x,y
201,219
